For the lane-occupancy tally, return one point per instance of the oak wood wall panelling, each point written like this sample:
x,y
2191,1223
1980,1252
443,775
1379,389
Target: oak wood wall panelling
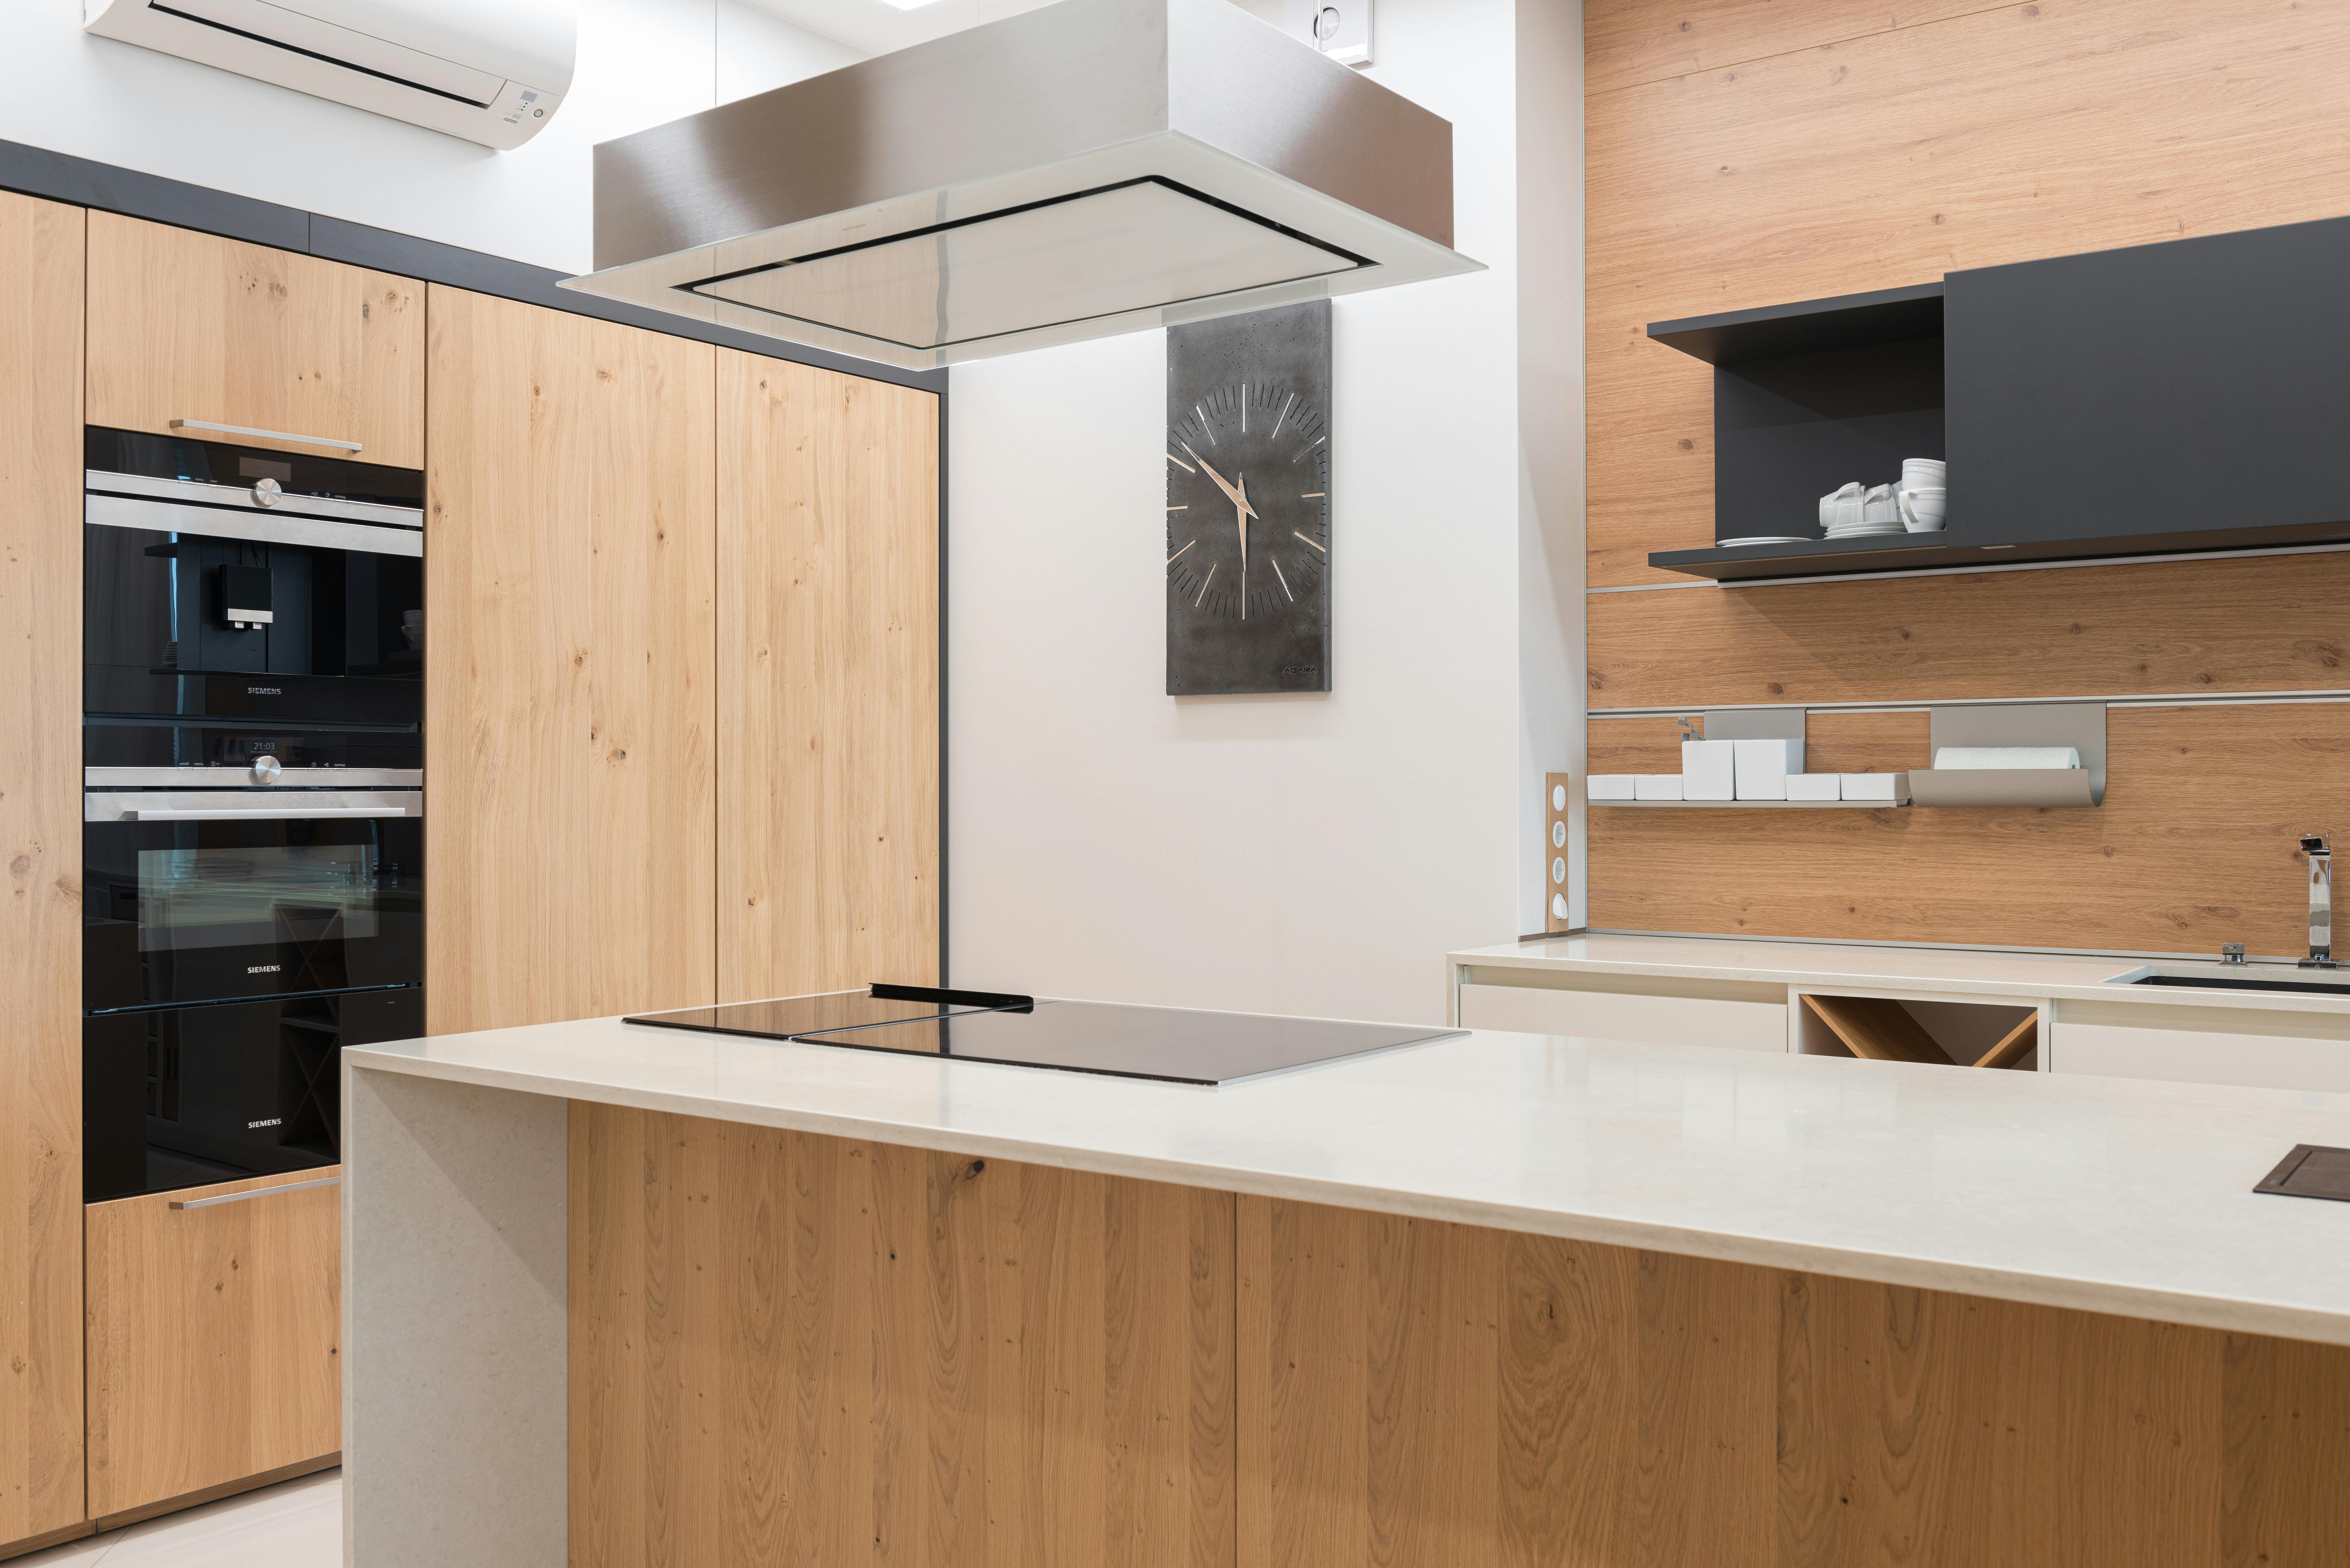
x,y
190,325
827,681
788,1348
2195,845
41,261
1833,743
1628,41
1435,1395
2001,135
1743,154
570,578
214,1339
2274,623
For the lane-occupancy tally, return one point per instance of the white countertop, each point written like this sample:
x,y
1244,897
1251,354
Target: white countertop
x,y
1954,971
2107,1194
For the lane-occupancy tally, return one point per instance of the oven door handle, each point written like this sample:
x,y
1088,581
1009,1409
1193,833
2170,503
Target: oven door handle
x,y
266,812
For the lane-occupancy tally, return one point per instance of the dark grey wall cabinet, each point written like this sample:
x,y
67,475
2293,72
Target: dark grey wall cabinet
x,y
2181,396
2197,387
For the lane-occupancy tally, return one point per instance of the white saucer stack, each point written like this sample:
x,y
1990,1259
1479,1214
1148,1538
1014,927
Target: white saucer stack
x,y
1918,505
1856,510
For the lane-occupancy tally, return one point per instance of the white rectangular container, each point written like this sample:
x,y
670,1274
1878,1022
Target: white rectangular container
x,y
1872,786
1764,767
1814,786
1709,770
1660,786
1612,786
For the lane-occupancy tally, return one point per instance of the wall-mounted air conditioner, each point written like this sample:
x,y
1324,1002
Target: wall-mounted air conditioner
x,y
492,71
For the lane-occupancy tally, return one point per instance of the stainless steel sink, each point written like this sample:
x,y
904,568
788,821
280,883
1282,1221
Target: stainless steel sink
x,y
2271,976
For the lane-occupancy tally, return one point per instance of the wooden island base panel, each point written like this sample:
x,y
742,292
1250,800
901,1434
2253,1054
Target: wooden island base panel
x,y
793,1349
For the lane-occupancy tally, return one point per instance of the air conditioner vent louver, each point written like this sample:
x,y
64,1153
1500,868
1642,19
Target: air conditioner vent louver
x,y
490,71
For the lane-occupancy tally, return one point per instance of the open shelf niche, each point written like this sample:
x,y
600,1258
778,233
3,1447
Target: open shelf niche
x,y
1939,1034
1846,387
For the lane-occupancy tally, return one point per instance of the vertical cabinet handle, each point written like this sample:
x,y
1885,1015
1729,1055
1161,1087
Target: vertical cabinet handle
x,y
259,1192
266,435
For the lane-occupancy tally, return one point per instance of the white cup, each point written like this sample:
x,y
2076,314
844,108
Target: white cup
x,y
1880,505
1842,507
1924,473
1924,511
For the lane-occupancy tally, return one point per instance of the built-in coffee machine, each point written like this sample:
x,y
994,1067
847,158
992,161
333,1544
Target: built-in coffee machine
x,y
252,824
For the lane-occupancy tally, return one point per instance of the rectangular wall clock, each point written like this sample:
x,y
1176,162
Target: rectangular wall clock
x,y
1248,502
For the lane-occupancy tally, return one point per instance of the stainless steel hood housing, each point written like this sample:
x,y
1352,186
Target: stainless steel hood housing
x,y
1091,168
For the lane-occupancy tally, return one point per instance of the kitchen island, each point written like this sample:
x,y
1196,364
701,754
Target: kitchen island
x,y
633,1296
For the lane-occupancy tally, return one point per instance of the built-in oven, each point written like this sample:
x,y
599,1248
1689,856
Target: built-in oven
x,y
213,588
252,824
217,895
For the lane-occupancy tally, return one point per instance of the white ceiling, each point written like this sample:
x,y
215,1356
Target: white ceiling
x,y
877,27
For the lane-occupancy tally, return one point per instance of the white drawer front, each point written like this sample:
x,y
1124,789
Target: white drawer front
x,y
2267,1061
1620,1016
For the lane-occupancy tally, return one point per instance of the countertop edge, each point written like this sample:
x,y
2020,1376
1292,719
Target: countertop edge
x,y
2043,1289
1827,979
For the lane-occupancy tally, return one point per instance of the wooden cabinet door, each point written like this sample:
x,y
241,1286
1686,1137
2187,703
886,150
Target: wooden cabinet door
x,y
40,846
216,1335
185,326
827,681
568,570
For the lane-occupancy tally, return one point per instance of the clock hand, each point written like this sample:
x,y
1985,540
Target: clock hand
x,y
1237,498
1245,513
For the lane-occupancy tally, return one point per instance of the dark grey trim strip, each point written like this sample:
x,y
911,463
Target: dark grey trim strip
x,y
60,177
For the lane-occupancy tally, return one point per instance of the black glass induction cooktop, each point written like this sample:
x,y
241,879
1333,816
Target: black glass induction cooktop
x,y
1171,1044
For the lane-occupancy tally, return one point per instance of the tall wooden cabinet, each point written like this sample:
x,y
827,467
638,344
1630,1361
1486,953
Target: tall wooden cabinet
x,y
570,713
681,727
40,856
827,681
185,326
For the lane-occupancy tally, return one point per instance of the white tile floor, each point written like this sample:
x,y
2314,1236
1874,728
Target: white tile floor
x,y
294,1524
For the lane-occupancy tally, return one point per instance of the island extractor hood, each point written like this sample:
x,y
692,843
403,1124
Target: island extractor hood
x,y
1090,168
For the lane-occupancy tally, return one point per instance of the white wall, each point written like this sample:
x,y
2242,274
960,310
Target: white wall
x,y
1309,854
642,62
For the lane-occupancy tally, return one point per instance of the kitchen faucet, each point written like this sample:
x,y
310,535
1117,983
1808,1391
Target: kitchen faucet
x,y
2321,902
